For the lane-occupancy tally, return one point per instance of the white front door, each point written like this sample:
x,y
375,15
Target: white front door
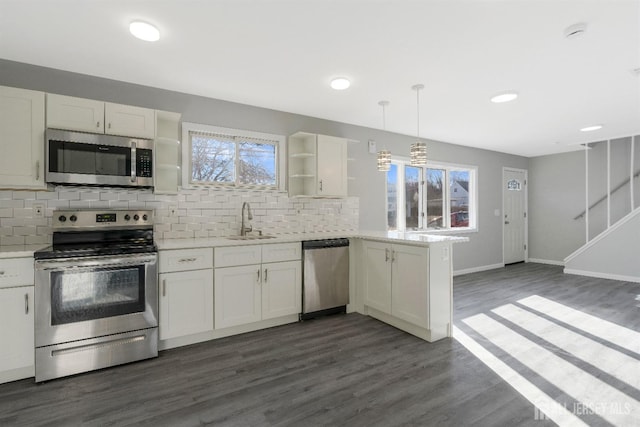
x,y
514,196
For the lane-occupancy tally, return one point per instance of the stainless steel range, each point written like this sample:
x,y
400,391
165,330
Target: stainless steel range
x,y
96,295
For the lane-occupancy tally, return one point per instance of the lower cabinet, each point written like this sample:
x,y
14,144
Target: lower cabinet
x,y
255,292
16,319
408,287
185,292
186,303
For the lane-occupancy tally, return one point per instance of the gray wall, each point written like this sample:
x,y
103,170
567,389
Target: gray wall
x,y
556,196
485,247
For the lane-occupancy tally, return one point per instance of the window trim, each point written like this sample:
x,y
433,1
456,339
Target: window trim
x,y
281,156
401,162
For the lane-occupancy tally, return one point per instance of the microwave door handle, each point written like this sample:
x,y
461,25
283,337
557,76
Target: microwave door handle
x,y
133,161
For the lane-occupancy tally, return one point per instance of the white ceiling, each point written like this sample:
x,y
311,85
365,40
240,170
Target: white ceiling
x,y
281,54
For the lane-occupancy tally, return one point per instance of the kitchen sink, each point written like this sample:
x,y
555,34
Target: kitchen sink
x,y
250,237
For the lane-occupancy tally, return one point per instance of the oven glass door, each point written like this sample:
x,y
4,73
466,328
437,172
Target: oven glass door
x,y
80,298
97,293
89,159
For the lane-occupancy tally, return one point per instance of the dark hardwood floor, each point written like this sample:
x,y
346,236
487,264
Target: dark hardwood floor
x,y
339,370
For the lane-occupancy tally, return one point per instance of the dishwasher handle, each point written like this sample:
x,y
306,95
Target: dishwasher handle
x,y
324,243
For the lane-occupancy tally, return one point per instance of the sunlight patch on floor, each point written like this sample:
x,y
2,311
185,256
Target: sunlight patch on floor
x,y
608,360
615,334
553,410
592,395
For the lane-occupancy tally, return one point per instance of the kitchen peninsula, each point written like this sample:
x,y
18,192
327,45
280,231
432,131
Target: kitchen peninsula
x,y
403,279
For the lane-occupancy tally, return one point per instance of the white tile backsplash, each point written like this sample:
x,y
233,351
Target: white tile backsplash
x,y
199,212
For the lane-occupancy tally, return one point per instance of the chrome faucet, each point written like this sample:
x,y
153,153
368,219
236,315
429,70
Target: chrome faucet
x,y
246,227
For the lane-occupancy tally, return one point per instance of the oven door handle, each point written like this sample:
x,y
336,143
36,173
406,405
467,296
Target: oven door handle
x,y
92,262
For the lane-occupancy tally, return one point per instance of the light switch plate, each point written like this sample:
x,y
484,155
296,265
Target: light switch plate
x,y
372,146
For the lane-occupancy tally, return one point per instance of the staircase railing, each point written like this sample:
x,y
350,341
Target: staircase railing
x,y
613,191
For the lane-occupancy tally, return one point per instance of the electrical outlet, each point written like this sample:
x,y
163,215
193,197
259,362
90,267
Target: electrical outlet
x,y
38,210
173,209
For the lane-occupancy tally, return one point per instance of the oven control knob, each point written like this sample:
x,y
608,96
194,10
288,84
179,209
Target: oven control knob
x,y
62,218
136,217
127,217
145,217
73,218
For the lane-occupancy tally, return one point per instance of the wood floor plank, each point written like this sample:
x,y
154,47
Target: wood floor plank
x,y
339,370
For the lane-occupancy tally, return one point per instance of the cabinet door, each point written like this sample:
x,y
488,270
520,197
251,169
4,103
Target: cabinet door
x,y
281,289
127,120
66,112
16,329
332,166
237,295
21,135
186,303
377,275
410,287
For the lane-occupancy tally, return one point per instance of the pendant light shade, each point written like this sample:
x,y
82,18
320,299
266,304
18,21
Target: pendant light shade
x,y
384,155
384,160
418,151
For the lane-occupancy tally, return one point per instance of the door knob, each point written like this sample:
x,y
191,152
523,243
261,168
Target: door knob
x,y
506,222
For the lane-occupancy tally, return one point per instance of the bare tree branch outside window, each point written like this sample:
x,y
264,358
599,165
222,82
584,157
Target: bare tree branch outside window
x,y
213,160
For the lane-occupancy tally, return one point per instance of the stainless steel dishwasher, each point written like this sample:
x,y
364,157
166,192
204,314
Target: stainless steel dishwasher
x,y
325,277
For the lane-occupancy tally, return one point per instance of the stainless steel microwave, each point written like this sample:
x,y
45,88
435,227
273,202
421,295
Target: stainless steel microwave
x,y
95,159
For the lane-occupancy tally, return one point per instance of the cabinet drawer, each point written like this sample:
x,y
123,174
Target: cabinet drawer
x,y
281,252
185,259
16,272
237,255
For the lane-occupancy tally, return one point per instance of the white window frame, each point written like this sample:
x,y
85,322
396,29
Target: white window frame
x,y
401,162
281,155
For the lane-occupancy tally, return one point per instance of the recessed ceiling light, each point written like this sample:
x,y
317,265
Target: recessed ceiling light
x,y
504,97
340,83
144,31
591,128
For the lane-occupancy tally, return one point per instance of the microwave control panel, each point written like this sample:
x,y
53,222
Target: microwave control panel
x,y
144,163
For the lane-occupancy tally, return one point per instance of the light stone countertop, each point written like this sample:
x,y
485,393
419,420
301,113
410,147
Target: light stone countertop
x,y
417,239
19,251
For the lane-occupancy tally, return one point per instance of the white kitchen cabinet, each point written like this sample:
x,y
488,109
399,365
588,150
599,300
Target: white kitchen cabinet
x,y
88,115
16,319
237,295
186,292
317,165
127,120
408,286
22,126
281,289
186,303
377,276
255,290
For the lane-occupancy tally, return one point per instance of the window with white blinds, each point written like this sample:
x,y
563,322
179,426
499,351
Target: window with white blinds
x,y
234,158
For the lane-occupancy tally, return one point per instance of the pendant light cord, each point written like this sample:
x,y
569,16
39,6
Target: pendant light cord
x,y
417,88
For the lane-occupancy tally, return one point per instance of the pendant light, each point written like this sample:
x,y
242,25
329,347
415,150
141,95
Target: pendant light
x,y
418,149
384,155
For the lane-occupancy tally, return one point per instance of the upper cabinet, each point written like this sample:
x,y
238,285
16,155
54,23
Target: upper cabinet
x,y
87,115
317,165
22,134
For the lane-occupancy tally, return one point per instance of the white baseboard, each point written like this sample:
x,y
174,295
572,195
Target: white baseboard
x,y
546,261
477,269
599,275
